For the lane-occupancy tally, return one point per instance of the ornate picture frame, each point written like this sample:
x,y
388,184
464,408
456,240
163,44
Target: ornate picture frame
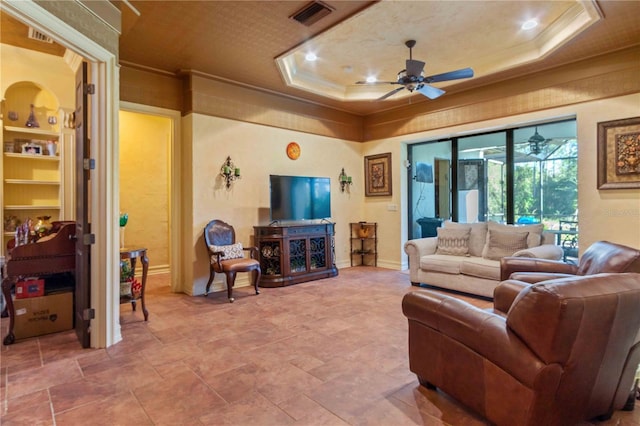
x,y
619,154
377,175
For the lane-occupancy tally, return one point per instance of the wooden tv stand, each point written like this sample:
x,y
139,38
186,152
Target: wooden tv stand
x,y
293,254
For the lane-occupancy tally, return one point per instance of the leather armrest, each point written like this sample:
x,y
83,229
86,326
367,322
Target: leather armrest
x,y
544,251
536,277
484,332
509,265
505,293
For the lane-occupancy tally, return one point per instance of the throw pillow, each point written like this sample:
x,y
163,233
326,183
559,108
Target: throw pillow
x,y
477,237
501,243
232,251
453,241
535,231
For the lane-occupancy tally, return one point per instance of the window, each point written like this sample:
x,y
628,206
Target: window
x,y
519,175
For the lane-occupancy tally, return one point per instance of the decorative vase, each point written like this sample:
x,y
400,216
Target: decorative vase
x,y
32,121
51,148
122,237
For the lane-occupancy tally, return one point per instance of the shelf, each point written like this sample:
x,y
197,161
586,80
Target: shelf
x,y
364,243
32,207
32,156
31,182
32,131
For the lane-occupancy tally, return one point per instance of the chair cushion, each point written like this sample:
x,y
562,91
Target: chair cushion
x,y
453,241
231,251
239,265
501,244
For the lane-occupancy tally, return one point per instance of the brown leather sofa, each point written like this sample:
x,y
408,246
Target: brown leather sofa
x,y
565,351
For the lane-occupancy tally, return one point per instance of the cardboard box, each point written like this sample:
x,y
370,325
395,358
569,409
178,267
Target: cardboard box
x,y
29,288
36,316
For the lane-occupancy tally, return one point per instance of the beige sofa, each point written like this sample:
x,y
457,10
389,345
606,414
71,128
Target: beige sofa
x,y
466,256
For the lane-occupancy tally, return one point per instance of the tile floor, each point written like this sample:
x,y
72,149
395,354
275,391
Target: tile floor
x,y
328,352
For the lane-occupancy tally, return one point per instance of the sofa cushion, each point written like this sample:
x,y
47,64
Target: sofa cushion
x,y
504,243
441,263
453,241
481,268
477,237
535,231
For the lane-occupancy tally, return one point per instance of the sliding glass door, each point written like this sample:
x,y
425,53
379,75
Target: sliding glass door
x,y
519,175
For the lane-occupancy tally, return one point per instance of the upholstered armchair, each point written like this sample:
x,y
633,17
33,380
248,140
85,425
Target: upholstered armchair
x,y
566,351
601,256
228,257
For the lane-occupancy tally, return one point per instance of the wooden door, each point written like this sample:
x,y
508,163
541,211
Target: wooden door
x,y
83,283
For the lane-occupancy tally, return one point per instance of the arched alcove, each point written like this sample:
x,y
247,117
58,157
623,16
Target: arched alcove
x,y
18,99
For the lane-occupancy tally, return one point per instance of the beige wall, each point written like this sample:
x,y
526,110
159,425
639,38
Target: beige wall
x,y
612,215
258,151
17,64
144,184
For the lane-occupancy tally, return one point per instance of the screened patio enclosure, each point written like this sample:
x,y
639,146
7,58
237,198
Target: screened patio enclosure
x,y
520,175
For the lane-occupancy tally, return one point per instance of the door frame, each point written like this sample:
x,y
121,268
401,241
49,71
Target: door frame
x,y
175,263
103,132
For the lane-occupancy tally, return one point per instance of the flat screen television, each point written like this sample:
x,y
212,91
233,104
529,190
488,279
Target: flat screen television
x,y
300,198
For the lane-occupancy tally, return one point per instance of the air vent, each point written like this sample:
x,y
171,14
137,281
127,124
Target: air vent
x,y
37,35
312,13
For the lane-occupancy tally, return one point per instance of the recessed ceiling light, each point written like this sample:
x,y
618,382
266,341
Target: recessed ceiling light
x,y
529,24
371,79
311,57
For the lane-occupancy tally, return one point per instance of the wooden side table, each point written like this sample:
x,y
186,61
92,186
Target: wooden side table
x,y
132,254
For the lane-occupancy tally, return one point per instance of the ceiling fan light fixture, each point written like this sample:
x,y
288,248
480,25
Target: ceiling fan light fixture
x,y
371,79
537,142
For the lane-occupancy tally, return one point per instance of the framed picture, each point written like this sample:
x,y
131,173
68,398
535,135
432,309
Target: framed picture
x,y
377,175
619,154
32,149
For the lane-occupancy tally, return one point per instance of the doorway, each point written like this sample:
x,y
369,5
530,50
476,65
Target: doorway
x,y
148,187
144,185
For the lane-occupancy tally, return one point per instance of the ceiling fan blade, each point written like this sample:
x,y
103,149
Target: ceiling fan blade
x,y
451,75
376,82
393,92
414,67
430,91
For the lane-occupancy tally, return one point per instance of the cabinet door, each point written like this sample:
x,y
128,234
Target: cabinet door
x,y
318,252
298,255
270,257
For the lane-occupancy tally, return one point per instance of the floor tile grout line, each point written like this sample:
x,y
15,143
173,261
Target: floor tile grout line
x,y
53,414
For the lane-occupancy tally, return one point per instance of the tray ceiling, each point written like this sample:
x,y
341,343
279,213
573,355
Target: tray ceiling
x,y
242,41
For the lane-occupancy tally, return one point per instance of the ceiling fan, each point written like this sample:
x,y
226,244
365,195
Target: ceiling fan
x,y
412,77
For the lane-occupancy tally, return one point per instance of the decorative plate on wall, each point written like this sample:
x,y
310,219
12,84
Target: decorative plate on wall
x,y
293,151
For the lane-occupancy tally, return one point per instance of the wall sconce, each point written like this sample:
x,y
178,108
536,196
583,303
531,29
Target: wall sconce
x,y
345,181
229,172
